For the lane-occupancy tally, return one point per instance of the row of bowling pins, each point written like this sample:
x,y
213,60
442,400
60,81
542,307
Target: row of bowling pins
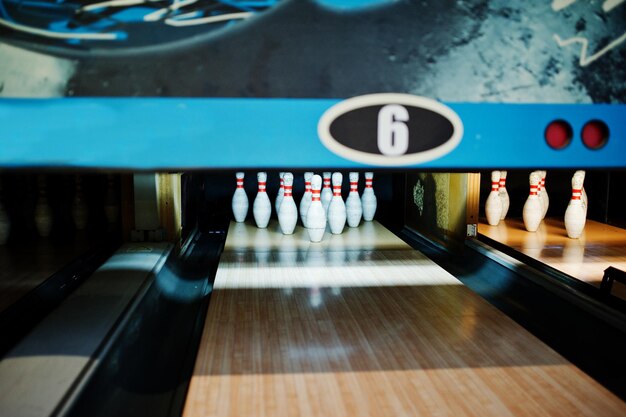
x,y
497,204
317,207
536,205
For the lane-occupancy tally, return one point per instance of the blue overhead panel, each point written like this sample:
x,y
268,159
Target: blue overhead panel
x,y
228,133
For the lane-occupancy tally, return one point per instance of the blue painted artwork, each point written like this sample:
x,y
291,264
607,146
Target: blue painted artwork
x,y
507,69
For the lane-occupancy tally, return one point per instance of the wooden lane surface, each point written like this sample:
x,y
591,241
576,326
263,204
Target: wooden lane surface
x,y
322,331
599,247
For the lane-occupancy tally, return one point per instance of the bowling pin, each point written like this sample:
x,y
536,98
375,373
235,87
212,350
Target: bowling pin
x,y
262,208
504,195
368,199
316,217
240,200
354,210
575,214
281,192
327,193
540,193
306,198
544,194
532,208
288,212
337,208
493,205
584,196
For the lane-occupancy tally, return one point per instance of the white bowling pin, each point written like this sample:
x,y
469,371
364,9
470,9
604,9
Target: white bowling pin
x,y
493,205
240,200
327,193
306,198
316,217
368,199
532,208
353,202
544,194
262,208
584,196
575,215
337,208
281,192
504,195
540,193
288,212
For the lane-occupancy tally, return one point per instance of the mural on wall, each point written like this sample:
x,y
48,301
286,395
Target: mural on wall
x,y
335,83
539,51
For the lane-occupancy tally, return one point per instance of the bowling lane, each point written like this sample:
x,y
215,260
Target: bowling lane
x,y
362,324
586,258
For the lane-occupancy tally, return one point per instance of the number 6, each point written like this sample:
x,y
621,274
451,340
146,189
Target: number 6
x,y
393,133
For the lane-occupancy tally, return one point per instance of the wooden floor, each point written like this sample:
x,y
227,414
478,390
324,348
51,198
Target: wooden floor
x,y
586,258
349,327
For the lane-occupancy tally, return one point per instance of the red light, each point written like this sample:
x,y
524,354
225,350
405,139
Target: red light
x,y
595,134
558,134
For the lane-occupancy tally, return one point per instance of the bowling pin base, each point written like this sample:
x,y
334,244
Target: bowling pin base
x,y
368,213
261,223
575,231
531,214
574,220
493,215
531,226
354,222
261,219
287,229
493,222
336,226
316,235
505,205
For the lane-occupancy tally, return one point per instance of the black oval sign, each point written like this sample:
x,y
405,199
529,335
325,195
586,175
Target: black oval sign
x,y
390,129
